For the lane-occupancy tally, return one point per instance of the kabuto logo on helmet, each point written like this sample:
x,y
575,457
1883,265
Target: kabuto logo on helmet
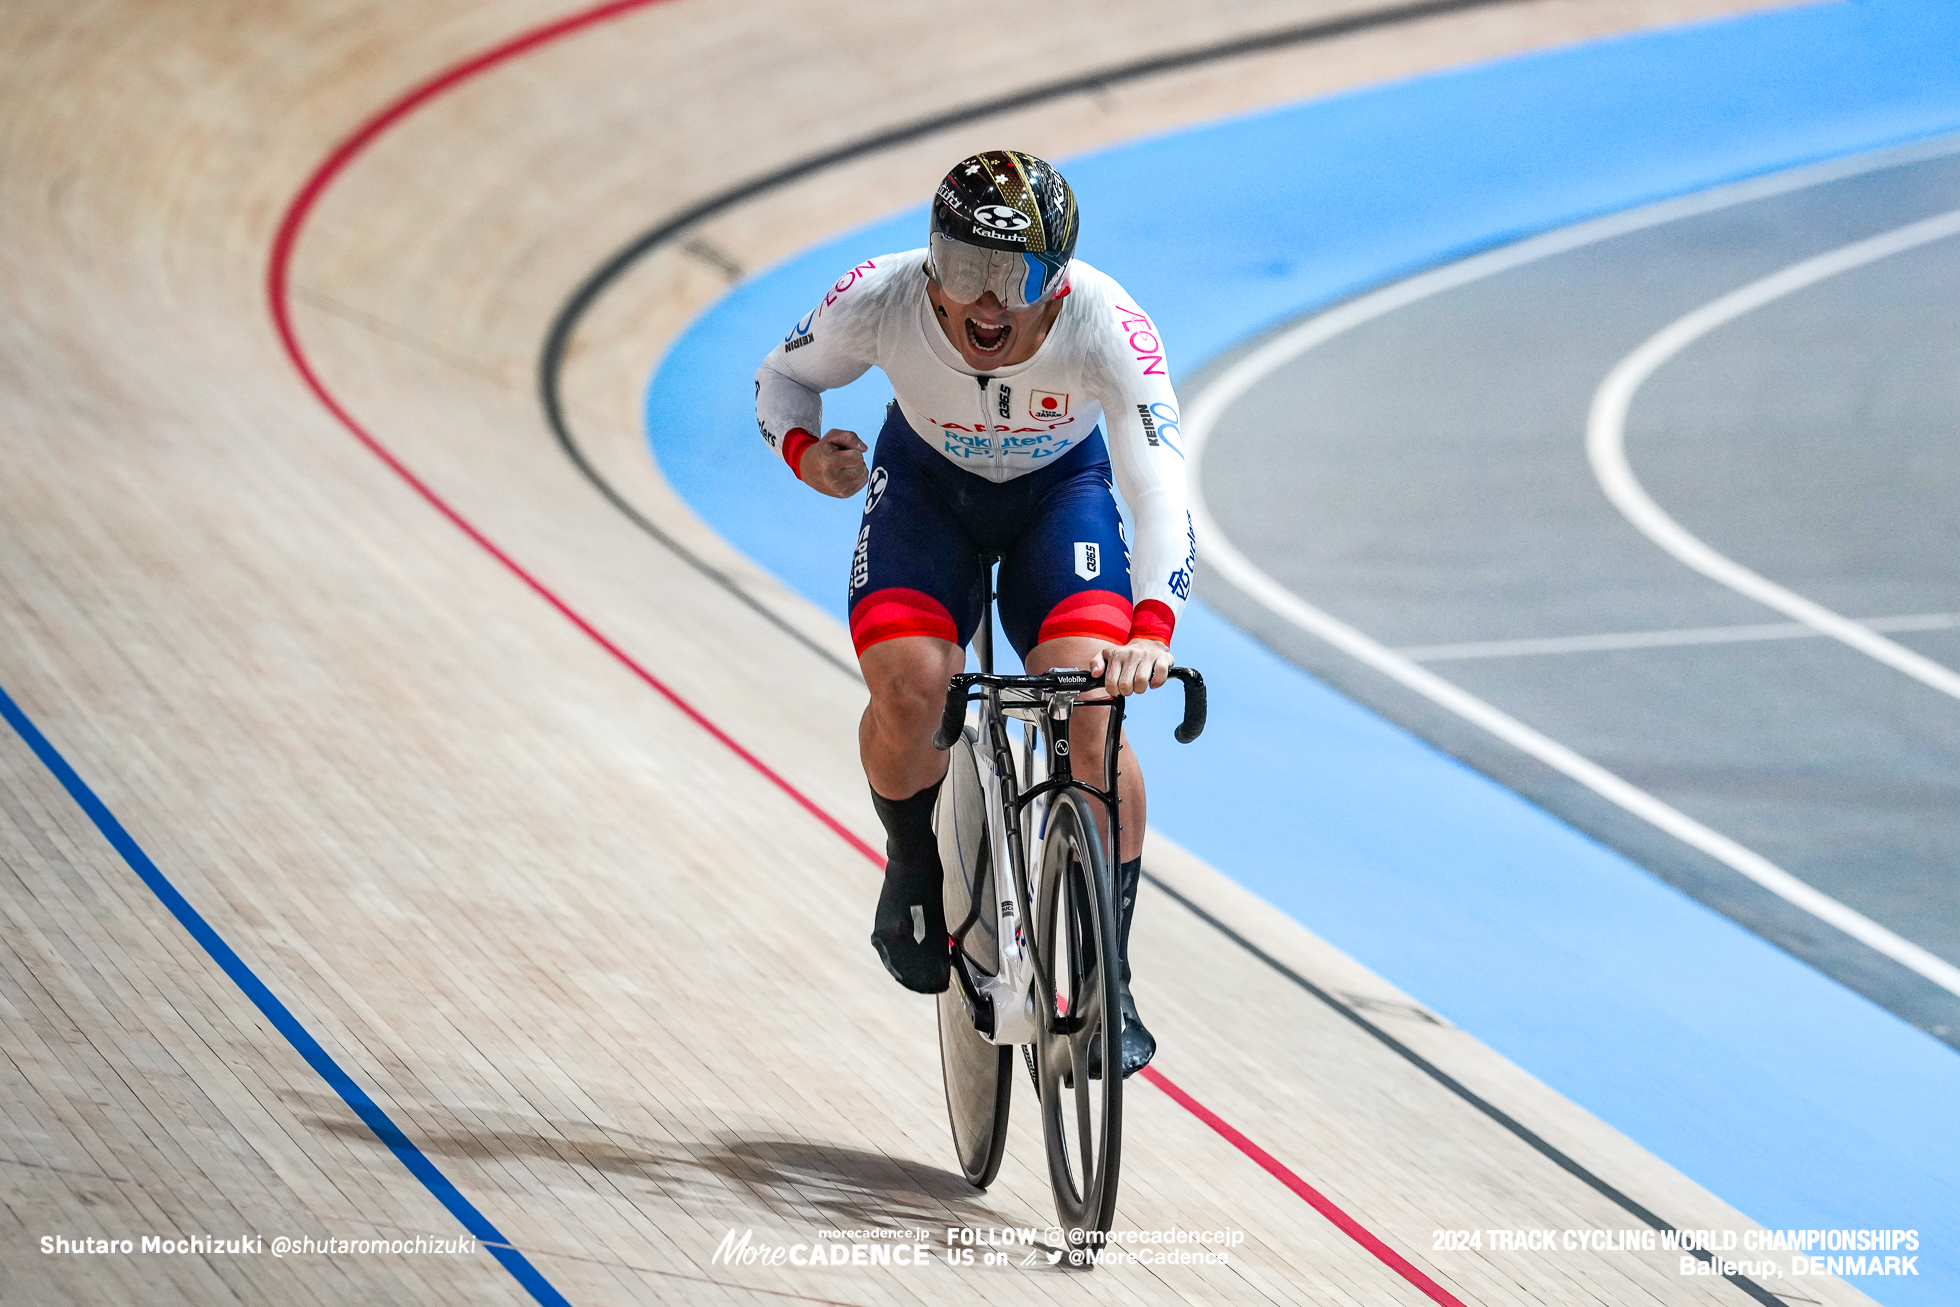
x,y
1001,218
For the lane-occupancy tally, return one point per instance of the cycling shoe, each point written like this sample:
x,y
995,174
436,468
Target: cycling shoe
x,y
909,932
1138,1044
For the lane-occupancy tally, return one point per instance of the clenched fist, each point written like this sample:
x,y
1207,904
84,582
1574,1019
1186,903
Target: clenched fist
x,y
835,464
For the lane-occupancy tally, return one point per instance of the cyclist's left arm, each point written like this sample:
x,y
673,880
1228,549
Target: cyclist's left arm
x,y
833,345
1146,452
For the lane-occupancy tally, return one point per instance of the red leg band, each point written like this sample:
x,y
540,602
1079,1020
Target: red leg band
x,y
888,614
1097,614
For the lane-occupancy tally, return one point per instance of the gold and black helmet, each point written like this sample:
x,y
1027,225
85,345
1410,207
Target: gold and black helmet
x,y
1003,221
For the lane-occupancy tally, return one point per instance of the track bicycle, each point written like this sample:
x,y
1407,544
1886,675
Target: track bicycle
x,y
1032,919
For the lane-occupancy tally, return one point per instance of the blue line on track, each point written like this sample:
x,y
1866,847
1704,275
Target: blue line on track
x,y
276,1012
1789,1096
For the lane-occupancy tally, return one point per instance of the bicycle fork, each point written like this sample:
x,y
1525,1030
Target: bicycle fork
x,y
1009,991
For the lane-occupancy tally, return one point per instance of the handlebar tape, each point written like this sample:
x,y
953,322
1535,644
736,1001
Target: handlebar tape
x,y
1195,705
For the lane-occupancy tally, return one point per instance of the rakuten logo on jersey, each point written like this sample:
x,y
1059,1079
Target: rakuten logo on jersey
x,y
1035,442
1143,340
961,445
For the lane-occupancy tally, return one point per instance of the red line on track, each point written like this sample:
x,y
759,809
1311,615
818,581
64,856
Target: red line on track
x,y
1315,1199
277,285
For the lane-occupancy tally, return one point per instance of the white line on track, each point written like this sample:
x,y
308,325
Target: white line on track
x,y
1202,415
1606,443
1618,640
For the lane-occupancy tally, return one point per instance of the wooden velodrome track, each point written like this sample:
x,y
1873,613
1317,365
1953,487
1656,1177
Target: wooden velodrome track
x,y
604,974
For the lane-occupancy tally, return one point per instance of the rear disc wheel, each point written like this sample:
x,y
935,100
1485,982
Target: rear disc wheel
x,y
977,1072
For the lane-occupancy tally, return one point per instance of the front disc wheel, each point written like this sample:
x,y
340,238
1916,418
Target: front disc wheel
x,y
1079,1050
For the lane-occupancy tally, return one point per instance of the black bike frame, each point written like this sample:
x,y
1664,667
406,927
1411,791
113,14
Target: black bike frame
x,y
1061,773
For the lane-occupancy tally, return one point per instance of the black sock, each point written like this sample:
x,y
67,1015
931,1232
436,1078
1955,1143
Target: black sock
x,y
1129,877
911,848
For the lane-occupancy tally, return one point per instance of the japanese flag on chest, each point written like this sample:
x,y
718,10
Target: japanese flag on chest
x,y
1047,404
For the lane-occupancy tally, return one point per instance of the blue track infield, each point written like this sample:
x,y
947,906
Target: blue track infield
x,y
1796,1100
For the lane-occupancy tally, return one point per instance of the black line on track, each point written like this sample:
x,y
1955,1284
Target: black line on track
x,y
558,339
1525,1133
564,326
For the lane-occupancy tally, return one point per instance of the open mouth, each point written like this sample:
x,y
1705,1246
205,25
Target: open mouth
x,y
988,339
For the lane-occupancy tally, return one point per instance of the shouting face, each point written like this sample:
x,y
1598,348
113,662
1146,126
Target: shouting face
x,y
987,333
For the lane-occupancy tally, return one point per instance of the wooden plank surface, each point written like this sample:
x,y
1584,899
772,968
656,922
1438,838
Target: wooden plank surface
x,y
610,981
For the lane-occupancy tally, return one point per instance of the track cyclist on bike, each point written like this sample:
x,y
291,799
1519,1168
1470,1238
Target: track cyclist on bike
x,y
1006,355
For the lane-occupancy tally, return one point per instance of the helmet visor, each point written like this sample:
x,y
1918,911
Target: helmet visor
x,y
966,272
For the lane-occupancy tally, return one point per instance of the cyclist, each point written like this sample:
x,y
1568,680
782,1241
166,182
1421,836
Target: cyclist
x,y
1006,355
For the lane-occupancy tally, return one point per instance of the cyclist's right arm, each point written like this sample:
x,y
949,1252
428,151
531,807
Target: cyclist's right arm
x,y
831,346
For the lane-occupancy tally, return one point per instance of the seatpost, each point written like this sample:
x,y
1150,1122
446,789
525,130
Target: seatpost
x,y
983,639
